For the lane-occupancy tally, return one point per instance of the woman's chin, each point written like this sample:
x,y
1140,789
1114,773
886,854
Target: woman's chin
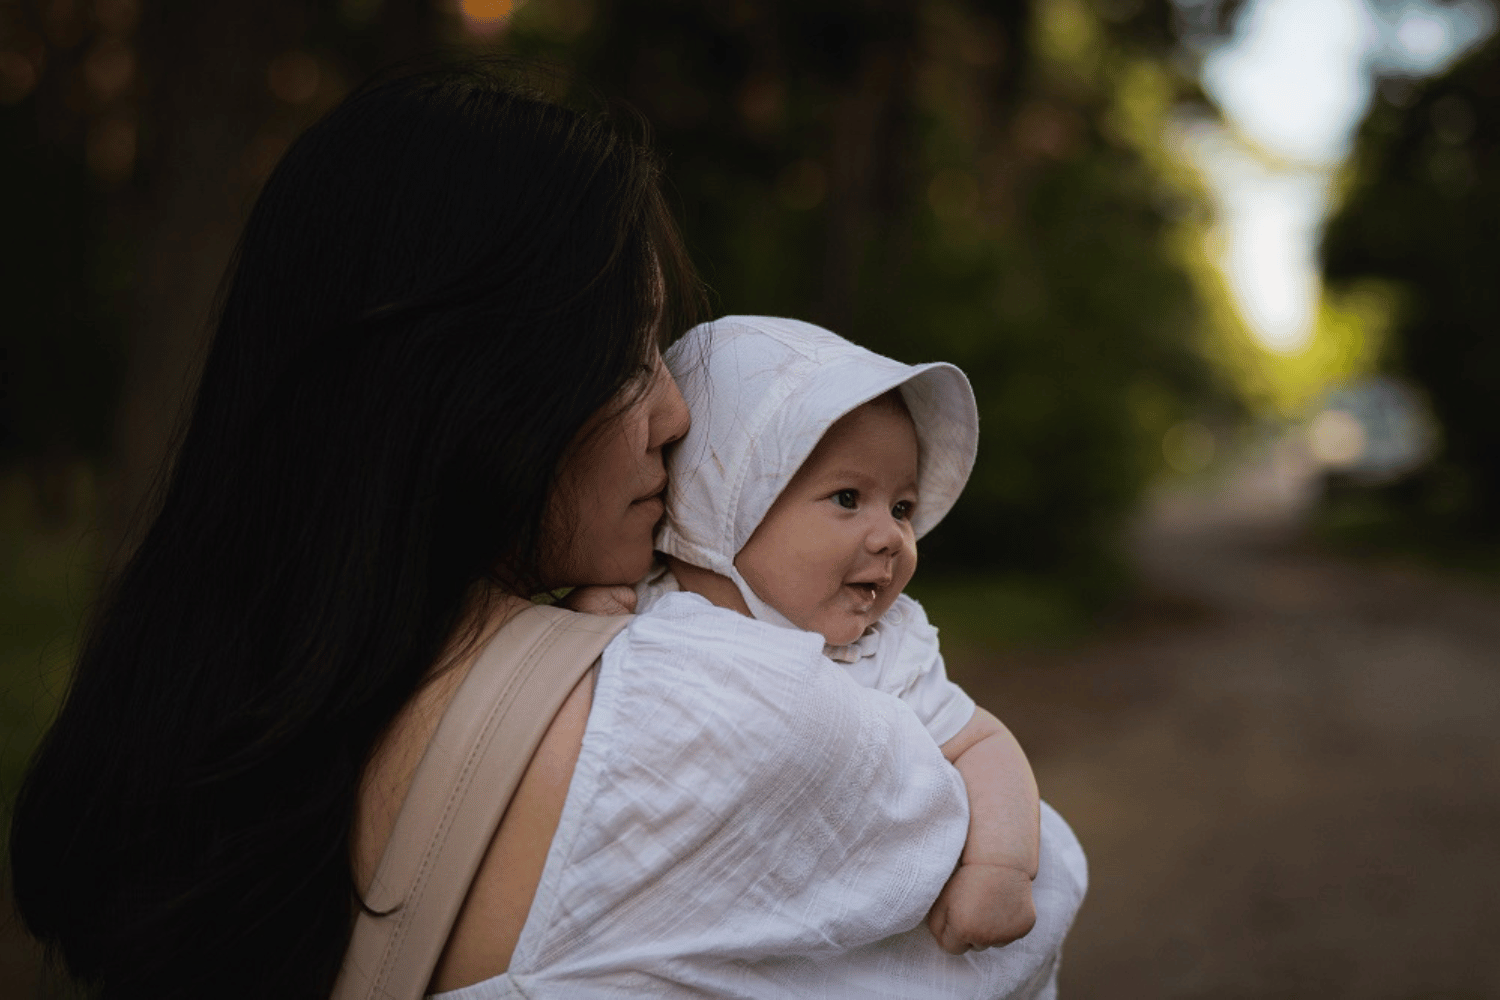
x,y
634,571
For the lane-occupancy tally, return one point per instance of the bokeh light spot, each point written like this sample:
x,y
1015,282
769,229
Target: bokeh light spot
x,y
294,77
1423,36
1336,438
760,102
1044,129
486,15
17,77
109,68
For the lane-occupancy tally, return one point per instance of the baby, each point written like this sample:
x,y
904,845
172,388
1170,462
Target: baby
x,y
811,469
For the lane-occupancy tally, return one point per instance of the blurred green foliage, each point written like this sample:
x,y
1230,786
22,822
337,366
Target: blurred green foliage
x,y
974,181
60,344
990,613
1422,215
966,181
46,580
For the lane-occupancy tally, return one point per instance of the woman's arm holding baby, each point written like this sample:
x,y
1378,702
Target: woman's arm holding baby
x,y
988,900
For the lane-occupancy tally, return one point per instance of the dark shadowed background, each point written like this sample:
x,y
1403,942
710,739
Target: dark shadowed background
x,y
1238,598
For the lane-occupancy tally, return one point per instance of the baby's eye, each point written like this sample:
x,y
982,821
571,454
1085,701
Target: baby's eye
x,y
847,499
902,510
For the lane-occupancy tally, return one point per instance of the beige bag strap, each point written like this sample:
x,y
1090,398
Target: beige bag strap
x,y
470,770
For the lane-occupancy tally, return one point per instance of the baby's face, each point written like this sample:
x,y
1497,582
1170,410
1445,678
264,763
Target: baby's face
x,y
837,546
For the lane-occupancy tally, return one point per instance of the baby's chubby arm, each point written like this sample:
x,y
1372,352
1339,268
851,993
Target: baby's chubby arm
x,y
988,900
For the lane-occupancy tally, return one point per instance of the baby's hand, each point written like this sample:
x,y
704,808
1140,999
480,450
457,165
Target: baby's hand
x,y
616,600
982,906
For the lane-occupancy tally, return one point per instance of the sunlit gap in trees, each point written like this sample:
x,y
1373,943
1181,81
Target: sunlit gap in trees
x,y
1294,81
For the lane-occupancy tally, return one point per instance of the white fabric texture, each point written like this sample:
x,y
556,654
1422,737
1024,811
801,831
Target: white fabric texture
x,y
899,655
745,821
903,660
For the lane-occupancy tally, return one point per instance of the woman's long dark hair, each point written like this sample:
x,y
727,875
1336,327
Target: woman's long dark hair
x,y
441,282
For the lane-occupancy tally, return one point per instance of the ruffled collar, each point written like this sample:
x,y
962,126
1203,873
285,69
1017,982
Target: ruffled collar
x,y
865,646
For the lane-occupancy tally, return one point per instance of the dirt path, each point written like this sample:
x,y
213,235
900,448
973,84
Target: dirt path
x,y
1284,767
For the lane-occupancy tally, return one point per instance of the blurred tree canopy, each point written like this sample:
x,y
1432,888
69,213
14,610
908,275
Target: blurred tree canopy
x,y
946,179
1422,214
981,182
59,372
133,137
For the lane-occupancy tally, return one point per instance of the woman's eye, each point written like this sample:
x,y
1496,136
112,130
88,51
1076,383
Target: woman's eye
x,y
847,499
902,511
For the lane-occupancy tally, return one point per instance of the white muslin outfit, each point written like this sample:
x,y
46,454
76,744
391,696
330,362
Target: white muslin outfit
x,y
749,818
746,821
898,655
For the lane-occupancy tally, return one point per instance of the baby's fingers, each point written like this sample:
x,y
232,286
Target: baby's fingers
x,y
941,926
986,905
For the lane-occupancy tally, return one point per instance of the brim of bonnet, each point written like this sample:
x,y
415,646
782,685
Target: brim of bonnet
x,y
942,408
763,391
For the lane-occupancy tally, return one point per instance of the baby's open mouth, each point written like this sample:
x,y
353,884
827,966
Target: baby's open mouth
x,y
865,591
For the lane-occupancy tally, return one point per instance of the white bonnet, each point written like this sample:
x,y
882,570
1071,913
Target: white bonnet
x,y
763,391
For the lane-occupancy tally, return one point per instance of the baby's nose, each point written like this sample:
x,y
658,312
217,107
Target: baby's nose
x,y
884,536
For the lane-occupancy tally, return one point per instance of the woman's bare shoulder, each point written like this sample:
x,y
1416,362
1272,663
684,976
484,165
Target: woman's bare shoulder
x,y
520,844
500,897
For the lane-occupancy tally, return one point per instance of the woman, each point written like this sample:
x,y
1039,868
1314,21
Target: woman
x,y
434,388
440,286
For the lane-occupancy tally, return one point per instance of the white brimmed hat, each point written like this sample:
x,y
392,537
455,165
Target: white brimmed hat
x,y
763,391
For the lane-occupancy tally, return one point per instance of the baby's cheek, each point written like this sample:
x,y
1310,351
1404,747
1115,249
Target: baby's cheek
x,y
907,565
